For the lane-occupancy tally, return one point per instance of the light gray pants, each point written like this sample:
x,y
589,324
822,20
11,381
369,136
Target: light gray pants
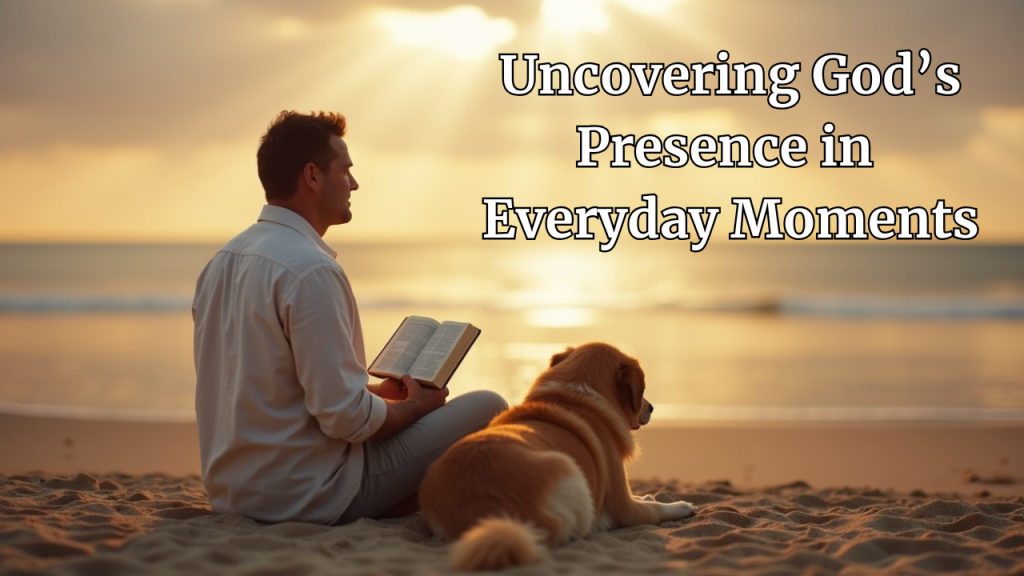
x,y
395,466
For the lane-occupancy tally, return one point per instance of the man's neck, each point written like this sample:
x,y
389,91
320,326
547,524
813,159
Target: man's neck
x,y
304,210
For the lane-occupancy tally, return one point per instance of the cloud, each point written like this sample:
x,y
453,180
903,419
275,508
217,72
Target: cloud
x,y
128,193
1000,143
174,73
573,16
157,95
211,191
126,73
465,32
332,10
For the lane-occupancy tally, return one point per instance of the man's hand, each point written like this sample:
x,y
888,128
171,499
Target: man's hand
x,y
426,398
419,401
391,389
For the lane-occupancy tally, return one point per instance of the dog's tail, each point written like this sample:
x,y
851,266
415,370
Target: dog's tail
x,y
497,543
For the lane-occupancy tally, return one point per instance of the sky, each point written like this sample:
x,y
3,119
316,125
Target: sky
x,y
138,120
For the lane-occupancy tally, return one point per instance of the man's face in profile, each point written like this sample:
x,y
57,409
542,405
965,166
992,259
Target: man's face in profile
x,y
336,190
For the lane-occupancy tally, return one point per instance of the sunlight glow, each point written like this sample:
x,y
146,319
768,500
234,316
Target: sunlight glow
x,y
564,317
288,28
705,121
465,32
648,7
563,280
572,16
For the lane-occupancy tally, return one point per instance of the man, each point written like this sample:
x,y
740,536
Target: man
x,y
289,427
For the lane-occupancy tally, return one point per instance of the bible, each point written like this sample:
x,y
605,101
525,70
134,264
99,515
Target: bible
x,y
428,350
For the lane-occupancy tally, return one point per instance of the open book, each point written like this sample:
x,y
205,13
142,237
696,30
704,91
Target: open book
x,y
425,349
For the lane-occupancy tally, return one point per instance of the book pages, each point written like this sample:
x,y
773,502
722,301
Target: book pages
x,y
410,339
437,350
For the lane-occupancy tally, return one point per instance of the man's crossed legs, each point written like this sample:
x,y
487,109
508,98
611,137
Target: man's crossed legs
x,y
395,466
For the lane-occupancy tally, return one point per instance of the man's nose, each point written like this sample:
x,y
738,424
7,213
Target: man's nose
x,y
352,182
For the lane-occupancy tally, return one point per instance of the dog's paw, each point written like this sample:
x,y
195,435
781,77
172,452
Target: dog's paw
x,y
679,510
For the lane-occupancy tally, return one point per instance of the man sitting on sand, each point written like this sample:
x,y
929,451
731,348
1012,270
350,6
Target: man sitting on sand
x,y
289,427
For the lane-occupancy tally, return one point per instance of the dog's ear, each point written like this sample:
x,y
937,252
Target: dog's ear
x,y
562,355
630,382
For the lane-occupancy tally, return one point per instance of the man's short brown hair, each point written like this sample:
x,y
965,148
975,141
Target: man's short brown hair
x,y
292,141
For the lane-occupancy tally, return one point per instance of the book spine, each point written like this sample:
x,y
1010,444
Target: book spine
x,y
456,367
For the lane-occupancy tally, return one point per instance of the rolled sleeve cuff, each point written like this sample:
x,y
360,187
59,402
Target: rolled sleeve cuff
x,y
378,411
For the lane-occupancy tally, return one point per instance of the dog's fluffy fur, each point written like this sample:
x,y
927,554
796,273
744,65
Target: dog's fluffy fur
x,y
548,470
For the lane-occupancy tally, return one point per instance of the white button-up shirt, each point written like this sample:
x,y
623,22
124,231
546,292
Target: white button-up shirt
x,y
281,398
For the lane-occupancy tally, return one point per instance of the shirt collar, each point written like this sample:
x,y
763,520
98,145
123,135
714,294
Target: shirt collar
x,y
285,217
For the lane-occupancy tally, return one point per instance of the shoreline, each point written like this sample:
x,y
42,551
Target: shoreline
x,y
900,455
903,456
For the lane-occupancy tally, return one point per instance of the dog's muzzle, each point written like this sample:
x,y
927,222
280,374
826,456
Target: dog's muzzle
x,y
645,413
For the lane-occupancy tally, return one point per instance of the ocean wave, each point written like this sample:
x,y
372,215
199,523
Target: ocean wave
x,y
870,306
693,412
94,413
797,305
93,303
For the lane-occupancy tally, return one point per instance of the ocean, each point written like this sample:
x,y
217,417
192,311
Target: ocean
x,y
854,332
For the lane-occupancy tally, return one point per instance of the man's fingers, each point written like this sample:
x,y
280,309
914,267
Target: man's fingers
x,y
431,395
441,397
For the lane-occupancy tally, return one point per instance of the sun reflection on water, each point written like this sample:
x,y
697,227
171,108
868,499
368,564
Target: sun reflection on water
x,y
563,280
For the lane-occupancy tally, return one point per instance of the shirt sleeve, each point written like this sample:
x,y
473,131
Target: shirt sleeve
x,y
320,318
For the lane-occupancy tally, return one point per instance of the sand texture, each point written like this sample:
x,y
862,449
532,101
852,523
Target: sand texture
x,y
159,524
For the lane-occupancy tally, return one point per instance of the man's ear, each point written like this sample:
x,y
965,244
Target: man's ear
x,y
562,355
310,174
630,382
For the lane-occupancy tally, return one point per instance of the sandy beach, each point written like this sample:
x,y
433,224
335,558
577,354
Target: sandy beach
x,y
159,524
773,498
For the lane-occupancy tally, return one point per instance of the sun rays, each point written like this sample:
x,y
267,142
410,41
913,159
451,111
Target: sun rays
x,y
465,32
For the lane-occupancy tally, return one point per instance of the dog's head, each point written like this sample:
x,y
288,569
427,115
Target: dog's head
x,y
610,373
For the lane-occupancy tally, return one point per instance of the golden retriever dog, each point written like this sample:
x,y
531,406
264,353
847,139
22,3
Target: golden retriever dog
x,y
548,470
